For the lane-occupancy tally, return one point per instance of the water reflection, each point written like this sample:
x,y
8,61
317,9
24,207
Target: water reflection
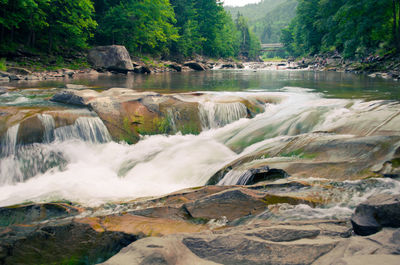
x,y
331,84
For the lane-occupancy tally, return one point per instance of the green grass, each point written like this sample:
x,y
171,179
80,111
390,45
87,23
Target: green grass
x,y
3,64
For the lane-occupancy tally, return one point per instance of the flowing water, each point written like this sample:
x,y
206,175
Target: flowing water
x,y
81,164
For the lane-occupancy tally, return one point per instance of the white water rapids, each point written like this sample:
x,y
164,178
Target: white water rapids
x,y
91,170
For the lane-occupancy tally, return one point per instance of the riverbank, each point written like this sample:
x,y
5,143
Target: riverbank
x,y
387,67
37,67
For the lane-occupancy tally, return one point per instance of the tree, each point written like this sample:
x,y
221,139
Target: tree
x,y
144,26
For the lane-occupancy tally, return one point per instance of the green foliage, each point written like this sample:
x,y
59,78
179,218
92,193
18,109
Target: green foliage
x,y
46,25
154,27
355,28
142,26
3,64
249,43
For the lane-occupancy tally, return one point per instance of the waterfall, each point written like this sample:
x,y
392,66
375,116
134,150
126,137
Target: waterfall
x,y
89,129
9,141
20,163
49,125
235,177
216,115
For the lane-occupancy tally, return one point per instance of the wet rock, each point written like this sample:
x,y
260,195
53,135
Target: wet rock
x,y
31,131
158,251
380,248
73,97
34,213
141,226
31,77
195,66
232,204
176,67
254,244
112,58
377,212
4,74
144,70
251,176
71,243
228,66
18,71
319,154
13,77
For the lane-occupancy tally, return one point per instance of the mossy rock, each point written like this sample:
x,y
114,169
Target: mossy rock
x,y
28,214
71,243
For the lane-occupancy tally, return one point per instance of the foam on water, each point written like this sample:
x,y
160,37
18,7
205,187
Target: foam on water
x,y
93,174
82,165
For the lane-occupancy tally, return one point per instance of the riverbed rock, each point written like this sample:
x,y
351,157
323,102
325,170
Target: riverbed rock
x,y
262,243
128,114
35,213
319,154
30,131
18,71
250,176
380,248
112,58
176,67
377,212
71,243
195,66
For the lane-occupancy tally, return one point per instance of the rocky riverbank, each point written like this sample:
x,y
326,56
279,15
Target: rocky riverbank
x,y
208,225
106,60
387,66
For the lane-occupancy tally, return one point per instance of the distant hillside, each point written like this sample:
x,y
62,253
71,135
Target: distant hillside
x,y
268,17
255,11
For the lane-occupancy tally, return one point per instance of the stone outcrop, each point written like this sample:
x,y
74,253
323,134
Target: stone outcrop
x,y
112,58
326,155
195,66
207,225
262,243
128,113
377,212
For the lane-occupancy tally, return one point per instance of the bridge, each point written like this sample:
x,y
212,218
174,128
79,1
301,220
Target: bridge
x,y
271,47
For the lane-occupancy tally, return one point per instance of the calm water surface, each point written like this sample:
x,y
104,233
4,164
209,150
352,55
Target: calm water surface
x,y
331,84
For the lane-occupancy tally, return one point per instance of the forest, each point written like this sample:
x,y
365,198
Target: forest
x,y
267,18
167,28
354,28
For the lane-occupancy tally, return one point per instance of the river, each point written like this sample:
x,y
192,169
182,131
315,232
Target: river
x,y
81,164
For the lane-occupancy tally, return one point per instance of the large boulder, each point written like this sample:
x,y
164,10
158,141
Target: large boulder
x,y
196,66
113,58
377,212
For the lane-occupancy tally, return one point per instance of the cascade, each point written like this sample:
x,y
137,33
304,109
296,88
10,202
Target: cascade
x,y
9,142
89,129
216,115
75,167
235,177
49,125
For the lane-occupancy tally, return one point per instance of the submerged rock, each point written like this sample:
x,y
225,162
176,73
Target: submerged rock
x,y
377,212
